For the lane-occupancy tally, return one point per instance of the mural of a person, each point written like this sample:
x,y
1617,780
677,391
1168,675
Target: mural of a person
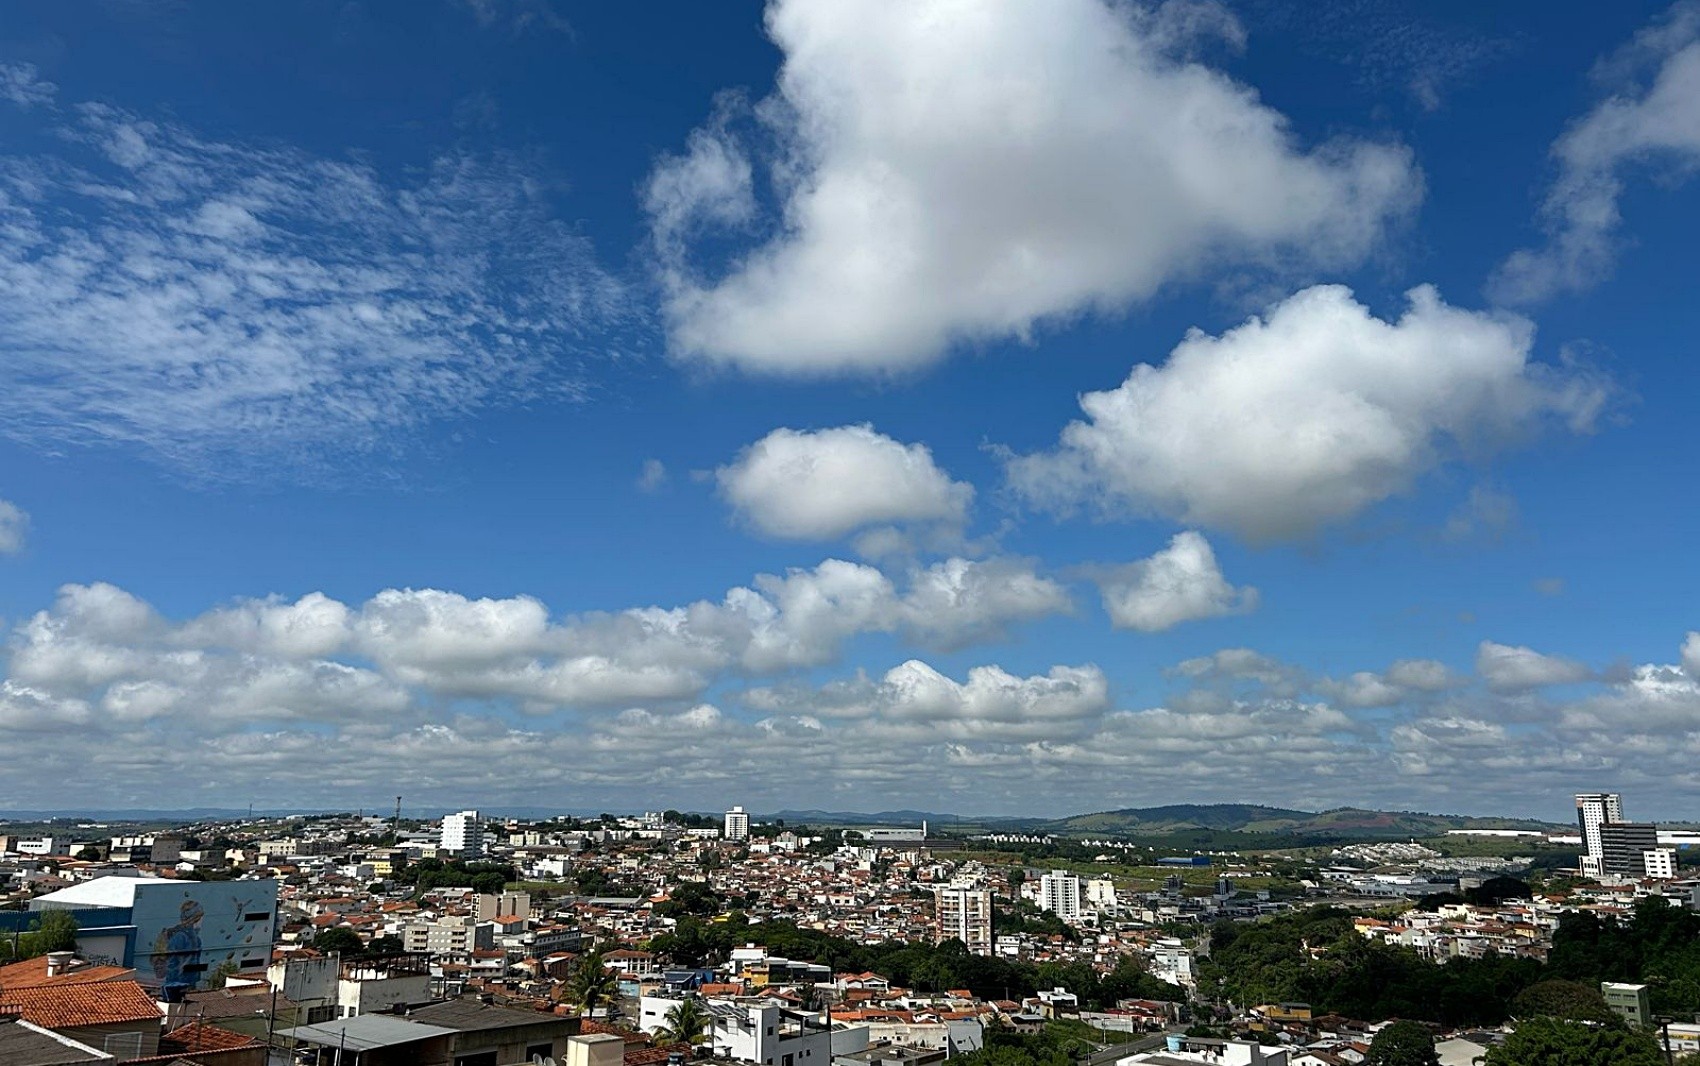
x,y
179,947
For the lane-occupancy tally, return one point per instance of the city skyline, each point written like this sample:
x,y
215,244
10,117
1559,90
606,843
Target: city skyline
x,y
517,404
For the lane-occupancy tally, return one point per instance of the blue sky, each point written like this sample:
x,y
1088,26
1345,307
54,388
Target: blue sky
x,y
1020,408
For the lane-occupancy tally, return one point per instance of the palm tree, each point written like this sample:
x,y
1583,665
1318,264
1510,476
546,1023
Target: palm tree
x,y
686,1023
592,984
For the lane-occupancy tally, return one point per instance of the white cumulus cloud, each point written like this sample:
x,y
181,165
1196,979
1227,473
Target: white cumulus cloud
x,y
1306,416
949,170
1181,583
823,484
1511,668
1651,124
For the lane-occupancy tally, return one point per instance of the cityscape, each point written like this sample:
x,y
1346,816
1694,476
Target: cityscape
x,y
849,533
667,936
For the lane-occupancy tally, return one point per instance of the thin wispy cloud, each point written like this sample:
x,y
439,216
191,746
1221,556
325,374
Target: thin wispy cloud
x,y
22,86
228,307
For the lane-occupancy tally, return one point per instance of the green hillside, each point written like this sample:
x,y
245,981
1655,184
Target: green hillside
x,y
1251,818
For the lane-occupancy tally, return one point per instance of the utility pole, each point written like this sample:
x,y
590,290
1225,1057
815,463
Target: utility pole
x,y
395,828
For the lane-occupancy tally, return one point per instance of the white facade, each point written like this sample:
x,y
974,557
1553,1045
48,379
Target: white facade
x,y
1059,893
965,914
1101,895
1171,961
737,824
762,1032
1594,809
1660,863
463,834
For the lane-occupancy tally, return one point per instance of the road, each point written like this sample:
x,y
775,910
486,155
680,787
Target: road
x,y
1109,1055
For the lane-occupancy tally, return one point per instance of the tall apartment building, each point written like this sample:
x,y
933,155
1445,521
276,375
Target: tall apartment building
x,y
463,835
1059,893
965,914
737,824
1593,810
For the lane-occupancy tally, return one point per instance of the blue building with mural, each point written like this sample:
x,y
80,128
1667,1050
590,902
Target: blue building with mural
x,y
173,933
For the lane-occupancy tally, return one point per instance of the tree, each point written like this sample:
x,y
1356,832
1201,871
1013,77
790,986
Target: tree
x,y
342,941
592,984
1550,1042
223,972
56,932
686,1022
1569,1001
1402,1044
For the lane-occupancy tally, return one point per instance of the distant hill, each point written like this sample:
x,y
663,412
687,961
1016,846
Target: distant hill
x,y
1250,818
892,818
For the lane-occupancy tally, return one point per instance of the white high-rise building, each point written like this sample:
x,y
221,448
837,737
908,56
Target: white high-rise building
x,y
1059,893
1594,809
463,835
965,914
737,824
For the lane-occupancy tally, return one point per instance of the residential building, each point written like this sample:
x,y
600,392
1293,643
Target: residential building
x,y
1629,1001
1594,809
506,905
1660,863
762,1032
965,914
449,935
462,835
26,1044
737,824
1059,893
117,1017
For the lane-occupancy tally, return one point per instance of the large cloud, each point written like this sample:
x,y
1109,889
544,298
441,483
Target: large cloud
x,y
823,484
172,716
407,650
952,170
1305,416
1181,583
1653,124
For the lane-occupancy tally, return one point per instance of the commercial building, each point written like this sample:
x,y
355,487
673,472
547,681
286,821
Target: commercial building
x,y
463,835
1623,848
965,914
737,824
174,933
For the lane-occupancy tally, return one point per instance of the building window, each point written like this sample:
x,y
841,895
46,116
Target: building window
x,y
257,916
539,1051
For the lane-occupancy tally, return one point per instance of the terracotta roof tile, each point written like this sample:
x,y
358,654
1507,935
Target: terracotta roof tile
x,y
72,1006
32,973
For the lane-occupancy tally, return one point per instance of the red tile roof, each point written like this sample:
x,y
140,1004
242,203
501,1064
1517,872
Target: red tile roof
x,y
32,973
74,1006
199,1036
